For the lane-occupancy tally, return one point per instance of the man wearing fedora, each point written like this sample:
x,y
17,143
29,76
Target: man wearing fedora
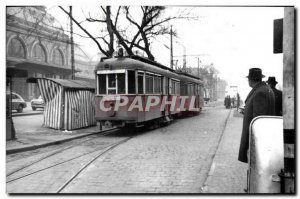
x,y
278,95
260,101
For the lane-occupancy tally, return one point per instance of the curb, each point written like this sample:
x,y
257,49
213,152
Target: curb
x,y
211,170
26,114
33,147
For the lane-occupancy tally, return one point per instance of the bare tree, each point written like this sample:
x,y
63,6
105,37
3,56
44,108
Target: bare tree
x,y
105,52
153,23
138,33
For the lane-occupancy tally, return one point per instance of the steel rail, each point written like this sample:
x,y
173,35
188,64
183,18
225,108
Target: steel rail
x,y
57,152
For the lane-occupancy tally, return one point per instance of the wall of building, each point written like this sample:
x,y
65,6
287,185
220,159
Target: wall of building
x,y
35,42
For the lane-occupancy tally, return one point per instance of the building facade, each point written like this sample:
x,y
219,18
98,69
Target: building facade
x,y
36,46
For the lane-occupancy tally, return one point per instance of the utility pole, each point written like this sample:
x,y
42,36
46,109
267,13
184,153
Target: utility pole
x,y
198,67
184,57
72,46
171,56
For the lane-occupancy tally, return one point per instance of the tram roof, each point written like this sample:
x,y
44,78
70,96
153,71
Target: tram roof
x,y
136,62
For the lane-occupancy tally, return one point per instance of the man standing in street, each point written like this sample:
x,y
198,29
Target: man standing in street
x,y
260,101
278,95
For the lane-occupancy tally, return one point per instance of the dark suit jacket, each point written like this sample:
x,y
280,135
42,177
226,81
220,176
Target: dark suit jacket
x,y
260,101
278,101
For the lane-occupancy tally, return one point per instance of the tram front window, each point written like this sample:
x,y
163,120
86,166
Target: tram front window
x,y
111,84
111,91
121,83
140,83
102,84
131,82
111,80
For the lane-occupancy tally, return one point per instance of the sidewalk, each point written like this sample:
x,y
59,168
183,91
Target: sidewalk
x,y
227,174
43,136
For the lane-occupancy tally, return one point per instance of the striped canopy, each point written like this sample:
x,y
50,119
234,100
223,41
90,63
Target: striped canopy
x,y
69,104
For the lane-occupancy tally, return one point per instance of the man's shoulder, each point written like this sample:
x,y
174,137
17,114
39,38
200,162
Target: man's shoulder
x,y
276,91
263,88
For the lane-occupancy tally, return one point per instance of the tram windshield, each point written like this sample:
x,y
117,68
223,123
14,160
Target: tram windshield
x,y
111,83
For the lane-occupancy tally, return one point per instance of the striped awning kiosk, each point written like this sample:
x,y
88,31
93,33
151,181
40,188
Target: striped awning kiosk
x,y
69,104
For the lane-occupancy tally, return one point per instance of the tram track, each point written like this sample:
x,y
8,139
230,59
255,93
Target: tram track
x,y
106,149
102,150
60,151
90,162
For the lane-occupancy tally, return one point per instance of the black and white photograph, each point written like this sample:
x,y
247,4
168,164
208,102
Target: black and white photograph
x,y
149,99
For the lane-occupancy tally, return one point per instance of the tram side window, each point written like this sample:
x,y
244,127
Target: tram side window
x,y
190,89
149,84
121,83
140,83
173,87
157,85
186,89
102,84
131,82
177,89
200,91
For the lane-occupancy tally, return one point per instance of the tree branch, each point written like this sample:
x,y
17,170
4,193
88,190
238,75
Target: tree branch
x,y
84,30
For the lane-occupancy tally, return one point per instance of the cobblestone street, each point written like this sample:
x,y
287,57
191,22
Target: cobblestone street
x,y
191,155
173,159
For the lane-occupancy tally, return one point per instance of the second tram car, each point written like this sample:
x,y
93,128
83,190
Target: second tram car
x,y
136,91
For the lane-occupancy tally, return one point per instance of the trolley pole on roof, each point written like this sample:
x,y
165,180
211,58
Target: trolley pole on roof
x,y
171,61
72,47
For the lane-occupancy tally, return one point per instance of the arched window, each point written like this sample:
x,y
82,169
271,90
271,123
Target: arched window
x,y
16,49
38,53
57,57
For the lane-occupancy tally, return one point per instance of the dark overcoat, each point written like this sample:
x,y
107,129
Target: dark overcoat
x,y
260,101
278,101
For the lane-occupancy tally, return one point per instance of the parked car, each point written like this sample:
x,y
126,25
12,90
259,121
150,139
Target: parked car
x,y
37,103
18,103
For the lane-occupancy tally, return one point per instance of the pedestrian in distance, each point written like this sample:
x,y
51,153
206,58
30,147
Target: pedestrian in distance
x,y
227,101
278,95
238,101
260,101
233,102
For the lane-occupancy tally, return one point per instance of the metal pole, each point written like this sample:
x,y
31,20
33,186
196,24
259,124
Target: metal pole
x,y
72,46
171,57
288,97
198,67
184,57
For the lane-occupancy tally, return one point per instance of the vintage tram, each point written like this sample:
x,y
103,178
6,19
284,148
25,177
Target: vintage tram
x,y
134,91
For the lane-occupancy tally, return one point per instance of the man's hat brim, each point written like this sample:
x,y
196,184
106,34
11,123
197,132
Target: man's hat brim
x,y
262,76
272,82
